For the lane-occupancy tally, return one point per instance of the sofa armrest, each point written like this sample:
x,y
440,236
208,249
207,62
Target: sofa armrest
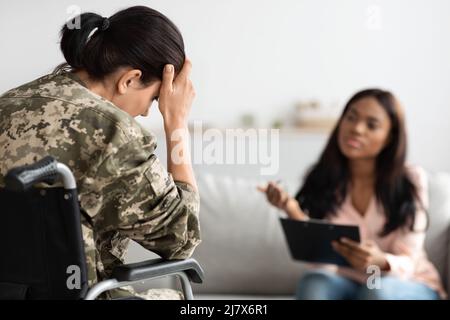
x,y
447,267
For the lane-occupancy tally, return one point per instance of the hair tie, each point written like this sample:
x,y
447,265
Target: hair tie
x,y
105,24
103,27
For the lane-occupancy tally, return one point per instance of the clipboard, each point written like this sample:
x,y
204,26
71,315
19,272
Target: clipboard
x,y
310,240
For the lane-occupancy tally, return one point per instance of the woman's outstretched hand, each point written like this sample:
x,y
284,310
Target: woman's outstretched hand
x,y
275,195
281,199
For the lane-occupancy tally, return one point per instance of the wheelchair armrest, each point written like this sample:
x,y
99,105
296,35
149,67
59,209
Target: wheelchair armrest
x,y
158,267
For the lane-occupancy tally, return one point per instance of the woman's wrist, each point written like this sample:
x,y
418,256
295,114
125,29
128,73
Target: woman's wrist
x,y
178,152
293,209
173,123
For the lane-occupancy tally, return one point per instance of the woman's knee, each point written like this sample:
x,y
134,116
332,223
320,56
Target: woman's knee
x,y
366,293
392,288
316,285
315,277
384,291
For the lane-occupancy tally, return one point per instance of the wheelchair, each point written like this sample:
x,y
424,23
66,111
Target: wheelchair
x,y
43,253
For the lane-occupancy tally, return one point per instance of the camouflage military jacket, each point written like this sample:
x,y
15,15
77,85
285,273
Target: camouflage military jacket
x,y
124,191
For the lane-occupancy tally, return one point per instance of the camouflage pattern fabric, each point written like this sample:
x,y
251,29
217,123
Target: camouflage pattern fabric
x,y
124,190
150,294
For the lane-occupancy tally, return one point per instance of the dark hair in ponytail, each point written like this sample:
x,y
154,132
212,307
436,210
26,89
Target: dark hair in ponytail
x,y
137,37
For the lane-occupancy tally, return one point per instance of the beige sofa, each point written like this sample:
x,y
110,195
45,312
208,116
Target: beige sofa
x,y
244,253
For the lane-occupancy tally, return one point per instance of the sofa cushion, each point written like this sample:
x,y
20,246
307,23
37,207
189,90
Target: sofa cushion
x,y
243,250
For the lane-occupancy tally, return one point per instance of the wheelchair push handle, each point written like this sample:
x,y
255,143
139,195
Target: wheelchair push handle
x,y
24,177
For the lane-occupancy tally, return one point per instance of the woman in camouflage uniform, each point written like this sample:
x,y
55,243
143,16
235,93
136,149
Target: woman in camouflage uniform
x,y
83,116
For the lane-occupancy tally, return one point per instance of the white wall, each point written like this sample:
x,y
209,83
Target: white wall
x,y
263,56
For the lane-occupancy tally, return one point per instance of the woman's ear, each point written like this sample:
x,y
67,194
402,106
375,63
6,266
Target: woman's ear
x,y
129,79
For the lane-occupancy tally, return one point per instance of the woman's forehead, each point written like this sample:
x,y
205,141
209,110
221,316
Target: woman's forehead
x,y
368,107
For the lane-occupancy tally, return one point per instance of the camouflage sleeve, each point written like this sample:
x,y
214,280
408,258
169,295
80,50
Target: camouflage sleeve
x,y
138,199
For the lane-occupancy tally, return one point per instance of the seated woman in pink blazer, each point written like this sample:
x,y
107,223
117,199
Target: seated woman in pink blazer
x,y
361,178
